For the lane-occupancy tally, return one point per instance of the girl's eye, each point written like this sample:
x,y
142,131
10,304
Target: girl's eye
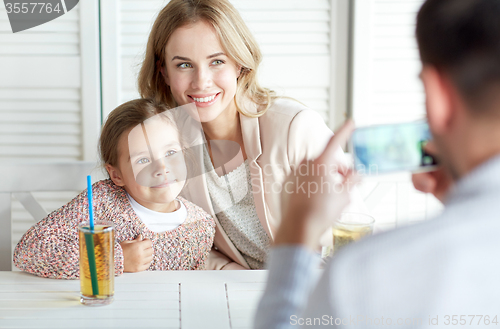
x,y
143,161
184,65
171,152
218,62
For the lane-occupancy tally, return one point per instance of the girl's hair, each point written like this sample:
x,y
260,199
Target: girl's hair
x,y
120,120
235,38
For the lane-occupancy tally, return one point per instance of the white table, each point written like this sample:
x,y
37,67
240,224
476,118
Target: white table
x,y
173,299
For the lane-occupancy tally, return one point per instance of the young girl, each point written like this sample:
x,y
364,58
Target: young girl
x,y
155,229
201,52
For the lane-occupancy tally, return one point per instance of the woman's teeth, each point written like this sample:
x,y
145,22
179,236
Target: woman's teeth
x,y
205,99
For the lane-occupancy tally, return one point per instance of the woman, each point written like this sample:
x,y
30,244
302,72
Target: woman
x,y
201,52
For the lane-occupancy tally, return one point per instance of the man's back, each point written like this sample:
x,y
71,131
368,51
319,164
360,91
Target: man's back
x,y
439,268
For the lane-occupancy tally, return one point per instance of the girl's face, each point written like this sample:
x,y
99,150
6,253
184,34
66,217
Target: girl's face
x,y
151,164
198,71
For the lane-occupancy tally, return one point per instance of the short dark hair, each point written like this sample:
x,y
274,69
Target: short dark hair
x,y
462,38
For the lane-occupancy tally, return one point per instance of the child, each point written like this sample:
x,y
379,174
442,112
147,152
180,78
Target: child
x,y
155,229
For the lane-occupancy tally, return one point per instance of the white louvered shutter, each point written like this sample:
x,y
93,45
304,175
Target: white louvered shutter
x,y
44,115
386,89
49,97
294,37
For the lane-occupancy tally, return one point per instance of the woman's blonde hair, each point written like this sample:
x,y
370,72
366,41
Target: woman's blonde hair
x,y
235,38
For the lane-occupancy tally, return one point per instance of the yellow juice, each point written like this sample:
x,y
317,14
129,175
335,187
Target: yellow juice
x,y
104,240
343,236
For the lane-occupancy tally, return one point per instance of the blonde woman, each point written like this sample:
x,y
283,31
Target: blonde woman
x,y
201,51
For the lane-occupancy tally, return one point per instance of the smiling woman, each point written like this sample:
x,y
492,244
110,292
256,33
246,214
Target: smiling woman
x,y
202,52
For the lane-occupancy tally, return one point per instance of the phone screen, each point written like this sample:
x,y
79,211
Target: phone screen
x,y
389,148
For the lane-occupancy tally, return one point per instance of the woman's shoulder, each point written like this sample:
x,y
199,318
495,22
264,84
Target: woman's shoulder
x,y
286,106
284,110
289,114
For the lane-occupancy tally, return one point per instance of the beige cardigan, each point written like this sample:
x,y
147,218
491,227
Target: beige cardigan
x,y
274,143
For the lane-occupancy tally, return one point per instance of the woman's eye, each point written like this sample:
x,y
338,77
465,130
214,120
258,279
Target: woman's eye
x,y
184,65
217,62
171,152
143,161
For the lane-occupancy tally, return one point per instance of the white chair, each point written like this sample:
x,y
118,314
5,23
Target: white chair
x,y
20,180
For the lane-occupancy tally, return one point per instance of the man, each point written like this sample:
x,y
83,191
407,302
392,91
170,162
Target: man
x,y
441,273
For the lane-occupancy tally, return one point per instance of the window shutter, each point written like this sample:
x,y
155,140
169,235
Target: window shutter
x,y
294,37
49,97
44,115
386,63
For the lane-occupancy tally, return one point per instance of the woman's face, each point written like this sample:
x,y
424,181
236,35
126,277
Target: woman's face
x,y
198,71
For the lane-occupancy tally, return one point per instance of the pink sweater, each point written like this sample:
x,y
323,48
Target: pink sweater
x,y
50,247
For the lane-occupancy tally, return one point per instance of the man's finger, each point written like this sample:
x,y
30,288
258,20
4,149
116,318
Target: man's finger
x,y
340,138
430,147
424,182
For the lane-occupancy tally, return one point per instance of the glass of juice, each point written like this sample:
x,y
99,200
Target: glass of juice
x,y
97,265
351,227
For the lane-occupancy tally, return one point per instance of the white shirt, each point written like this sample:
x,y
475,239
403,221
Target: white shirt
x,y
159,222
429,275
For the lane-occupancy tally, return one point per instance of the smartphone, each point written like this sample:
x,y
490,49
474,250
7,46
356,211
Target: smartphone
x,y
391,148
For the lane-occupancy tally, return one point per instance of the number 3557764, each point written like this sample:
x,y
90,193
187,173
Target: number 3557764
x,y
32,7
470,320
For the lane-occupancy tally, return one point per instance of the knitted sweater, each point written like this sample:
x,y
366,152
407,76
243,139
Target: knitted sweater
x,y
50,247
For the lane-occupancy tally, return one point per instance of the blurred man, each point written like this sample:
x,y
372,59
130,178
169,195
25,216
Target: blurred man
x,y
440,273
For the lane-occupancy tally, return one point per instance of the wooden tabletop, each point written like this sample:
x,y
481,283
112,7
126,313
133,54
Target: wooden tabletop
x,y
171,299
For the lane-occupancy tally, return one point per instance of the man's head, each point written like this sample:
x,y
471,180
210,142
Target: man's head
x,y
459,43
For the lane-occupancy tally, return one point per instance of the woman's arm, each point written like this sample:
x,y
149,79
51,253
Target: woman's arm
x,y
292,260
307,137
217,261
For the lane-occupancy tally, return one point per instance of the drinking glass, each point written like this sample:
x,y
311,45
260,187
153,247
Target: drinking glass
x,y
351,227
97,265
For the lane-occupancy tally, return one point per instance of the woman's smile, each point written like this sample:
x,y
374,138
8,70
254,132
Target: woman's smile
x,y
205,100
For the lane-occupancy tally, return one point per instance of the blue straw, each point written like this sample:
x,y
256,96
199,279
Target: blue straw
x,y
89,240
91,207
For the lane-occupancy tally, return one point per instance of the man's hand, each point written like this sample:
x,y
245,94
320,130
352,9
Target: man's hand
x,y
437,182
137,254
315,194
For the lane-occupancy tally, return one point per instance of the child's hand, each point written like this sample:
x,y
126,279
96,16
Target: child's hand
x,y
137,254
